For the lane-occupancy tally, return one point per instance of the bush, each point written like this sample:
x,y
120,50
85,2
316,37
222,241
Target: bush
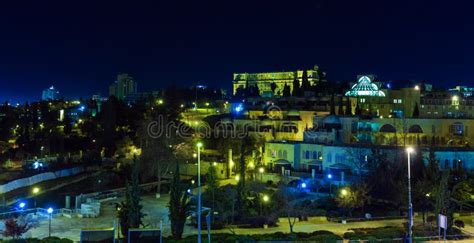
x,y
459,223
317,236
36,240
375,233
56,240
259,221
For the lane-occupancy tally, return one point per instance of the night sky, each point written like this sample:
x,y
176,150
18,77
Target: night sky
x,y
80,48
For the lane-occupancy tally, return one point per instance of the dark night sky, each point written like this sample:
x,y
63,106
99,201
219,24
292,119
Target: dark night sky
x,y
80,48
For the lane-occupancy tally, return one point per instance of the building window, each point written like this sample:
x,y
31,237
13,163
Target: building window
x,y
362,100
280,154
307,154
315,155
285,154
273,153
457,128
397,101
328,158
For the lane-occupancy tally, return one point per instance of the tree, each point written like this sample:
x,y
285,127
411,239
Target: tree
x,y
296,87
179,205
432,171
16,227
462,193
443,203
340,112
286,203
355,196
286,91
358,110
130,213
273,87
305,85
332,105
348,111
212,185
416,110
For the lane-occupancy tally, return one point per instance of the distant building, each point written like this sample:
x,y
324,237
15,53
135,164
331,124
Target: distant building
x,y
50,94
274,82
369,98
124,86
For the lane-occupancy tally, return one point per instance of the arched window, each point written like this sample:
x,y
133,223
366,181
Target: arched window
x,y
446,164
315,155
285,154
388,128
280,154
307,155
415,129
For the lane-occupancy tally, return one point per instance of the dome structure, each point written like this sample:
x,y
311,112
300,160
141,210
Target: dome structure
x,y
365,87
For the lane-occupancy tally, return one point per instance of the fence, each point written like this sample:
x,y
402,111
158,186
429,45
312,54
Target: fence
x,y
24,182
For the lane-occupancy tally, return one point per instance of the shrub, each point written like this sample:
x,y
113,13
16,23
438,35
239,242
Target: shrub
x,y
459,223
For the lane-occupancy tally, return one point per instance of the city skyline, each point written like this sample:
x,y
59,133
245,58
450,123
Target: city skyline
x,y
158,45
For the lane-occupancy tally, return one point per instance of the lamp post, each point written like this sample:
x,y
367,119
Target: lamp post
x,y
50,212
410,150
261,170
199,145
35,191
264,199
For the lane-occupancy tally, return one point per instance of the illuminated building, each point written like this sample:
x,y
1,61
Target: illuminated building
x,y
369,98
123,87
50,94
274,80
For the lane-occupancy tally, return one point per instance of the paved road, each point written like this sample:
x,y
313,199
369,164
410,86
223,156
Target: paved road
x,y
157,209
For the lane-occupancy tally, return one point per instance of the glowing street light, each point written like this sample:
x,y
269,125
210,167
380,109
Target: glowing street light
x,y
261,170
417,87
50,212
199,146
410,150
237,177
303,185
329,176
264,199
35,192
22,205
344,192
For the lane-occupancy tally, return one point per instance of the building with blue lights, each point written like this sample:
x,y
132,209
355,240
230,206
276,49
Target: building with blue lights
x,y
50,94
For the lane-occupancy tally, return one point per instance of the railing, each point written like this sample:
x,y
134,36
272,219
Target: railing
x,y
365,219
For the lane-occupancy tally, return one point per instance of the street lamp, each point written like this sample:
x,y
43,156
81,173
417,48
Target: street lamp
x,y
264,199
199,146
344,192
330,185
410,150
22,205
35,191
50,212
261,170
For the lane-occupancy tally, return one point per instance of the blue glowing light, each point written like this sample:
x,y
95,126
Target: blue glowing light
x,y
189,191
329,176
239,108
303,185
37,165
22,205
82,108
50,210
